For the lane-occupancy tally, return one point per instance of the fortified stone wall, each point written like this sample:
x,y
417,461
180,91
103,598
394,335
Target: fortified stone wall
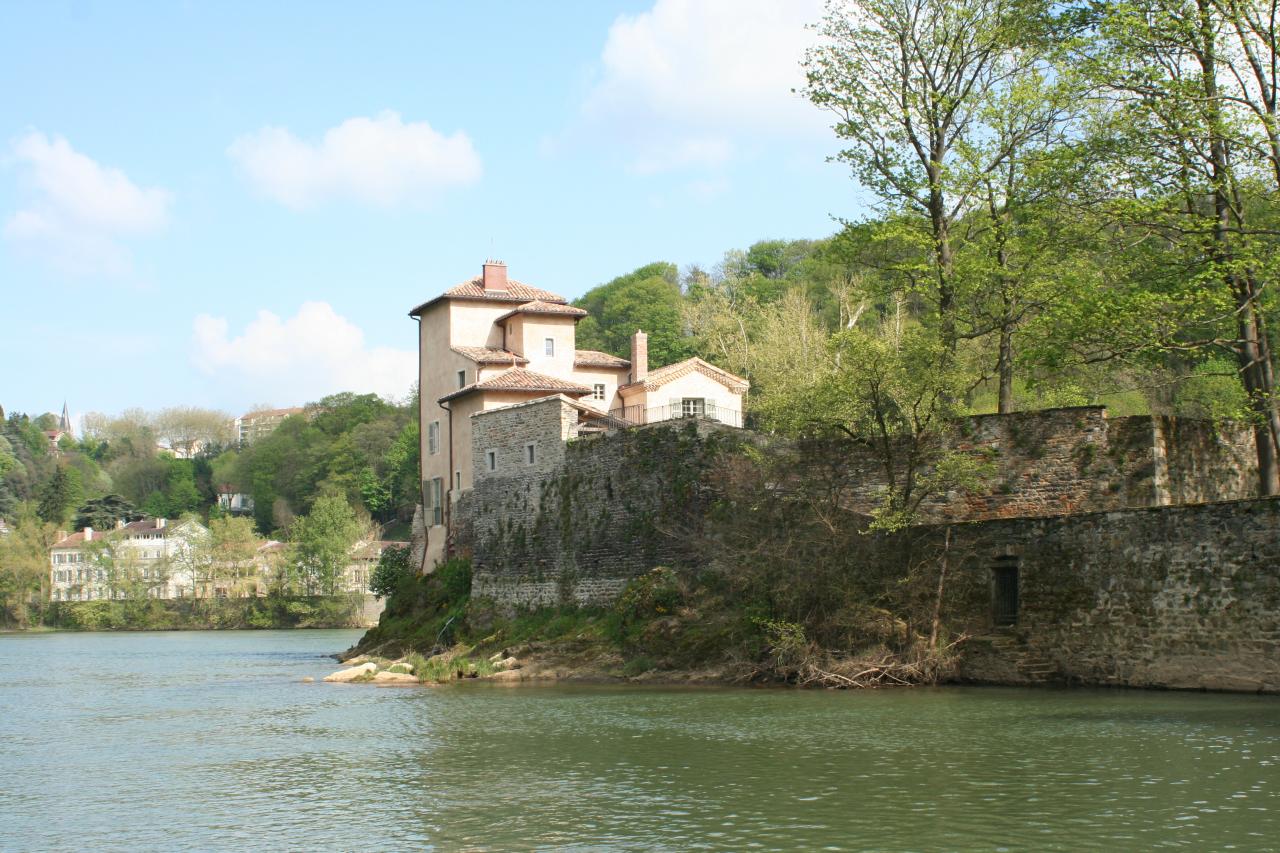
x,y
590,511
1178,597
1062,461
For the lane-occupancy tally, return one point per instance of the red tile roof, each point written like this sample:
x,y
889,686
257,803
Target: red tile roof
x,y
485,355
474,289
146,525
595,358
519,379
271,413
538,306
657,378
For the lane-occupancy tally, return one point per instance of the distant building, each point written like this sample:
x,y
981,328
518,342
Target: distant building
x,y
255,425
141,558
234,501
492,341
4,528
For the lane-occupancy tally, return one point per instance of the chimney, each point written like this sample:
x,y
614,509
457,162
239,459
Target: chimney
x,y
88,534
159,523
494,276
639,356
119,524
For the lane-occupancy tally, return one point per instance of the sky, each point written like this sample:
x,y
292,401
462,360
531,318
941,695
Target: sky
x,y
231,204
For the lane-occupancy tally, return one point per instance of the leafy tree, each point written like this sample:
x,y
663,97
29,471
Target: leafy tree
x,y
647,299
103,513
393,568
60,494
911,83
322,541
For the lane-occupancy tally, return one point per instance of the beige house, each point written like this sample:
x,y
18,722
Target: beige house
x,y
493,341
142,557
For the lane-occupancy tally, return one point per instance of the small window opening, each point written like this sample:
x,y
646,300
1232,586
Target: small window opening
x,y
529,454
491,459
597,392
462,378
550,346
1005,603
457,480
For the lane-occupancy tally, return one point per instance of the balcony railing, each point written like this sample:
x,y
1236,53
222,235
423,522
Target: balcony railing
x,y
706,410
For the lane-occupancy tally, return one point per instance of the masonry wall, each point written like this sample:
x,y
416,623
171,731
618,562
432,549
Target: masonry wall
x,y
1176,597
590,513
1061,461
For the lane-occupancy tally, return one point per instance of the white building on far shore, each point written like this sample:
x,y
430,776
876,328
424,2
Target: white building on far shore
x,y
142,558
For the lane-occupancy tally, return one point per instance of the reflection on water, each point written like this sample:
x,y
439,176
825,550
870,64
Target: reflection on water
x,y
210,741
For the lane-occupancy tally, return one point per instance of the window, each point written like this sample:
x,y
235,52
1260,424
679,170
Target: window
x,y
435,500
530,454
462,378
549,344
491,459
457,481
1004,577
693,407
433,437
597,392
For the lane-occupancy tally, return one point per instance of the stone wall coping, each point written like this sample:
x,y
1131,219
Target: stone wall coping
x,y
1101,513
523,403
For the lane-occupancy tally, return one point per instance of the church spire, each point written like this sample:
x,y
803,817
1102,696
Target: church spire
x,y
64,424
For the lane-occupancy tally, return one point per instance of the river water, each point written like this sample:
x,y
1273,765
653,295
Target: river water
x,y
210,741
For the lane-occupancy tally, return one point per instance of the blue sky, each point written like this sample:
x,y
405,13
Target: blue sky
x,y
234,204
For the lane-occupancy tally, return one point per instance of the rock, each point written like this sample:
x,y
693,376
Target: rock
x,y
508,663
306,679
395,678
351,673
356,661
506,675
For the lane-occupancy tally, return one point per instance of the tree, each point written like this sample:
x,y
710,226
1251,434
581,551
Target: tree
x,y
103,513
393,569
187,428
1187,133
910,83
60,494
648,300
322,541
24,563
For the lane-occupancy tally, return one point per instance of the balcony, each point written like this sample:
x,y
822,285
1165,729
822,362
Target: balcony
x,y
679,410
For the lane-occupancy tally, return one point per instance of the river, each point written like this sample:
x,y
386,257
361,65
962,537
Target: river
x,y
210,741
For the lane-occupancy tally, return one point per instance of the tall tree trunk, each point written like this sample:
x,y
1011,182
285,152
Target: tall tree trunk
x,y
1248,355
944,260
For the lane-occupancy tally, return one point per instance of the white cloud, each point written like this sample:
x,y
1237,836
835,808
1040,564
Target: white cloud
x,y
79,210
304,357
379,160
686,79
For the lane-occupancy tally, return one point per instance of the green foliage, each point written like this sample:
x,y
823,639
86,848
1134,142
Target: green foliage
x,y
103,513
322,542
647,299
393,570
60,494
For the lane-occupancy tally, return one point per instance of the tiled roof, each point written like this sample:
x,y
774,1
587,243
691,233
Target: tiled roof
x,y
146,525
519,379
657,378
538,306
474,289
485,355
595,358
271,413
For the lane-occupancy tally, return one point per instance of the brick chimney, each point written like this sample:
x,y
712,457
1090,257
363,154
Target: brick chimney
x,y
88,534
494,276
160,522
639,356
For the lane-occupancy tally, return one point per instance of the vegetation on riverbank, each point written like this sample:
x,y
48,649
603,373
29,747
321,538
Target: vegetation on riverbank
x,y
666,626
204,614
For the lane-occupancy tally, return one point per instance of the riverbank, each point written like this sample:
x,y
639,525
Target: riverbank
x,y
664,628
201,614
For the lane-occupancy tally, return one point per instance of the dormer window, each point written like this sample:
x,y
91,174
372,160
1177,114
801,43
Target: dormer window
x,y
550,346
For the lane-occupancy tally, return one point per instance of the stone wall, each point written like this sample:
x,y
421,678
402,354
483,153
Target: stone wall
x,y
1062,461
589,513
1176,597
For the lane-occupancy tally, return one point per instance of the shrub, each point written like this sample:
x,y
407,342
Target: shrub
x,y
393,569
